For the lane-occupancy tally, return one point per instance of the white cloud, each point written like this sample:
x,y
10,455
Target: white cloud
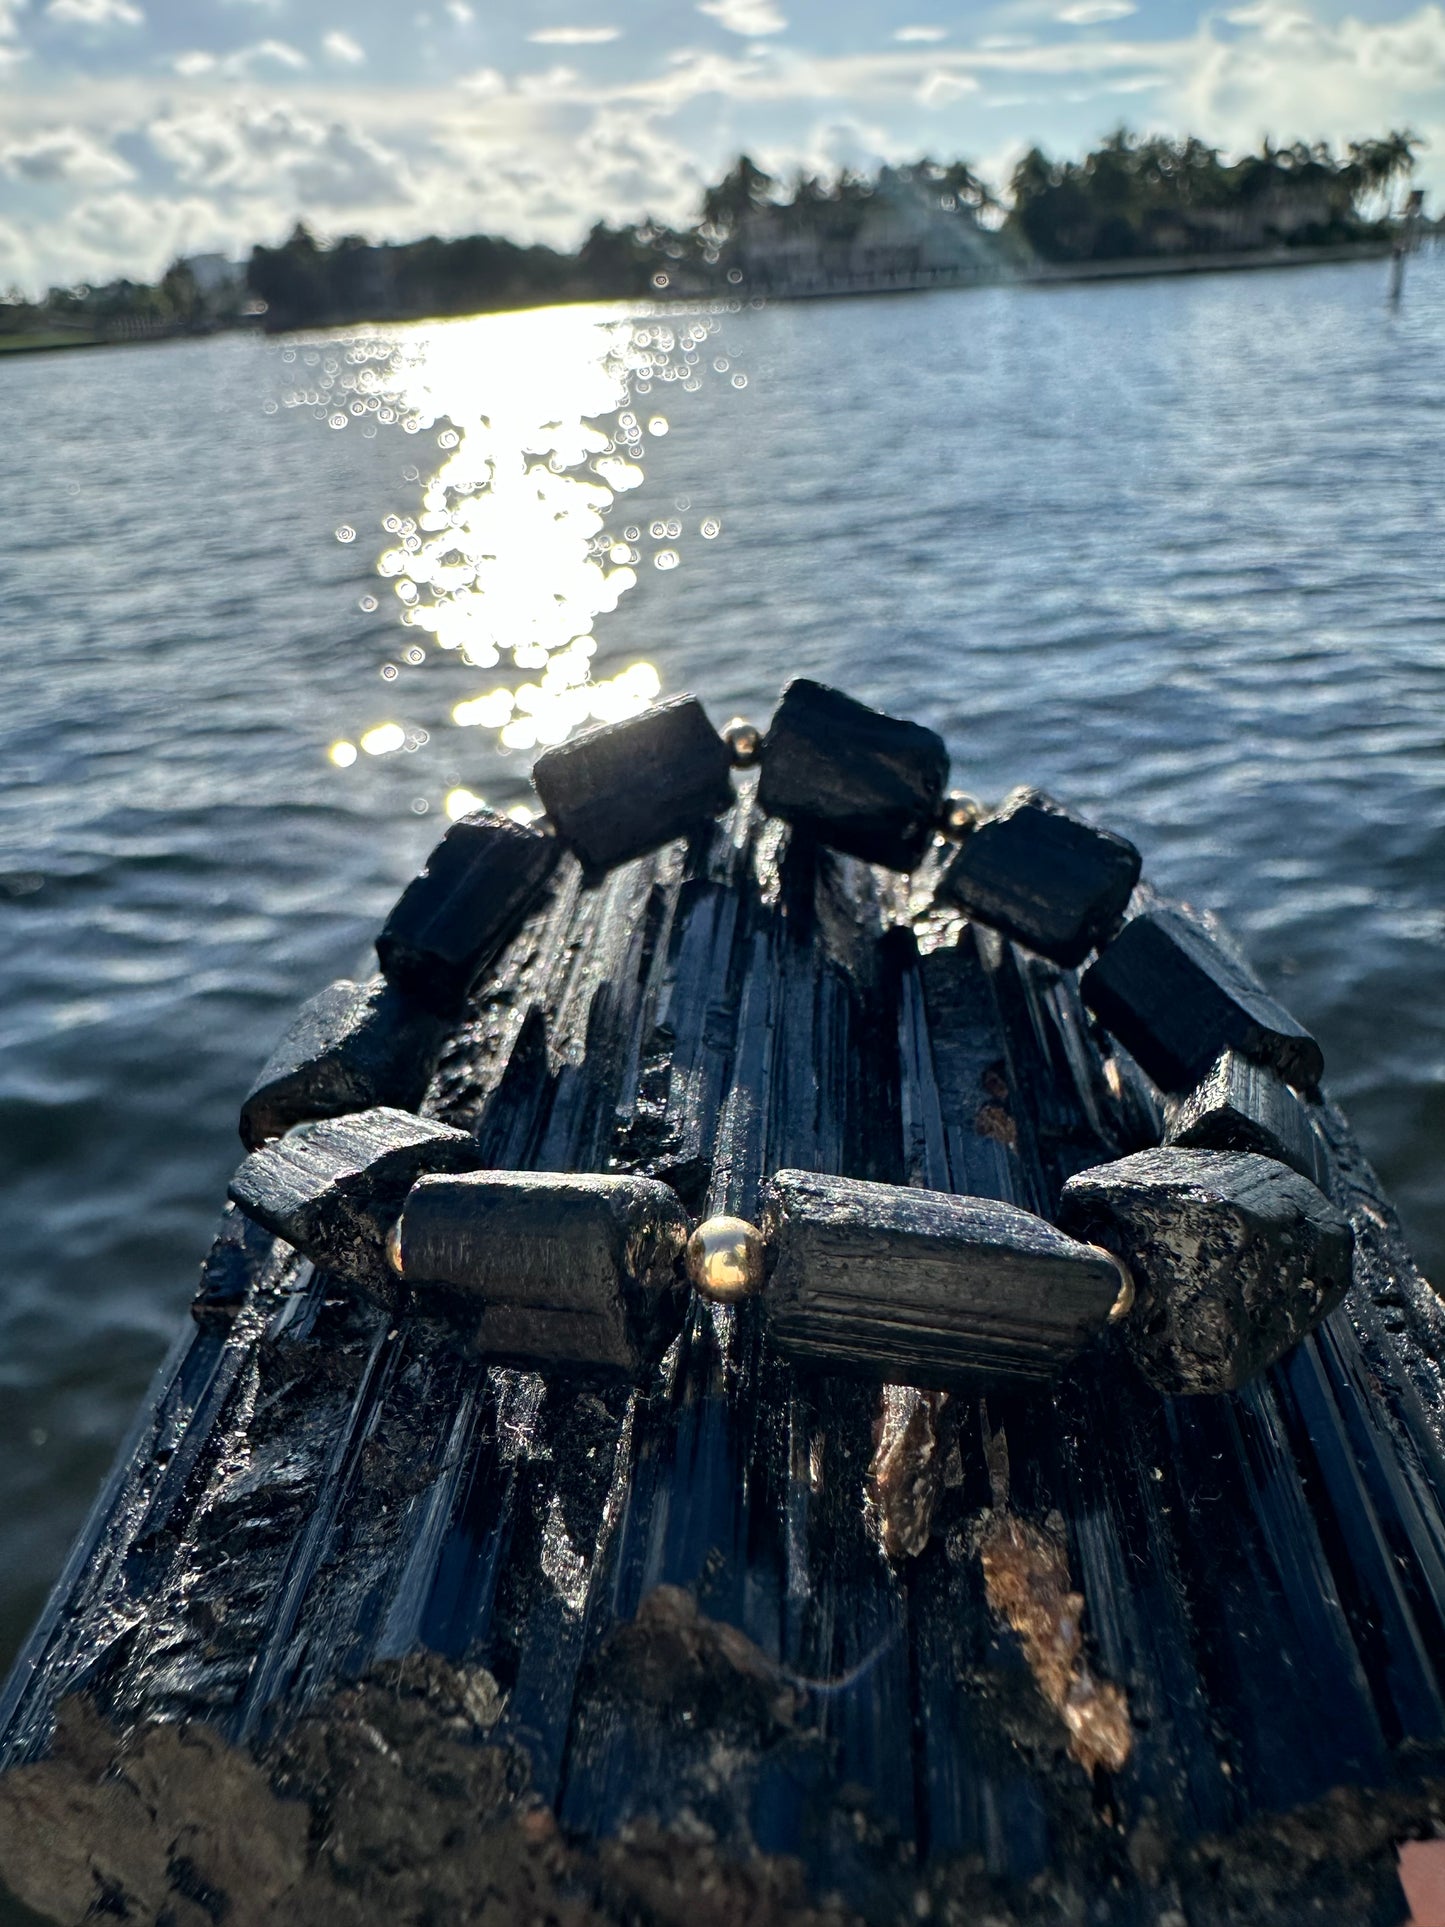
x,y
1090,13
277,53
340,46
750,17
551,81
130,233
540,155
942,89
64,154
573,36
1295,74
921,34
96,13
286,156
460,12
265,53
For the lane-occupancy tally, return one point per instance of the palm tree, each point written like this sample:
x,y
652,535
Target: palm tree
x,y
742,191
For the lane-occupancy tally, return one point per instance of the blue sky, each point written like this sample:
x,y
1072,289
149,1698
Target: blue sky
x,y
133,130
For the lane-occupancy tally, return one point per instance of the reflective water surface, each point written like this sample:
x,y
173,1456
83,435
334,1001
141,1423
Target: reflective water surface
x,y
271,610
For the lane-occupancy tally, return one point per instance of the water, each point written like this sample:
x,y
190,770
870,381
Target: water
x,y
1171,550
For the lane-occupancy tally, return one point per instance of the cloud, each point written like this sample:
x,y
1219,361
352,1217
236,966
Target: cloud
x,y
130,233
460,12
1091,13
941,90
265,53
1291,72
283,156
194,61
550,81
921,34
340,46
96,13
750,17
245,141
64,154
573,36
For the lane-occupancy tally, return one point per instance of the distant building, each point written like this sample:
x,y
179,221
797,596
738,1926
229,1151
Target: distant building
x,y
884,240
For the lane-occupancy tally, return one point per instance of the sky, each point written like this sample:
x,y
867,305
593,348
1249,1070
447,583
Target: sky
x,y
132,131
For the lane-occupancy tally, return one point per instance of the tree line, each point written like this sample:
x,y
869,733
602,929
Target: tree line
x,y
1131,197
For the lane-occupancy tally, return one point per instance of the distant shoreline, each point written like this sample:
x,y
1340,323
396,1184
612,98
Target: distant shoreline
x,y
1052,274
1042,275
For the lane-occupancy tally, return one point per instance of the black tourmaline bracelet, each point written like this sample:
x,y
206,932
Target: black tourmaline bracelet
x,y
1213,1253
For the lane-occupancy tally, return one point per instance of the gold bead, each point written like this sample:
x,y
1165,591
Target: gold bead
x,y
960,816
725,1260
393,1248
744,741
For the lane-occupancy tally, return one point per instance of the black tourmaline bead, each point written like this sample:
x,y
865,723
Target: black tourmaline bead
x,y
1235,1257
553,1268
924,1288
449,922
1243,1106
1175,1001
622,789
351,1047
861,782
335,1188
1043,876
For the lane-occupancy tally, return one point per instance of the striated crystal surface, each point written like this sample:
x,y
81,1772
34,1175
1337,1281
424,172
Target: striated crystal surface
x,y
619,790
352,1047
1043,876
552,1268
333,1188
1175,1000
354,1589
479,881
864,783
1235,1257
1244,1106
924,1288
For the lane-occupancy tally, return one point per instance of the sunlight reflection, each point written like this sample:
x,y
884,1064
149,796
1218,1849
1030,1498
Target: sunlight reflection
x,y
507,561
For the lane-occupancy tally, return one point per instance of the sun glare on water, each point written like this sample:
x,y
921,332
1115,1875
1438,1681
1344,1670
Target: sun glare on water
x,y
517,544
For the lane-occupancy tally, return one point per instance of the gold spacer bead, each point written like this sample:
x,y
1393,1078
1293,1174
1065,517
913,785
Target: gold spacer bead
x,y
725,1260
393,1249
959,816
744,741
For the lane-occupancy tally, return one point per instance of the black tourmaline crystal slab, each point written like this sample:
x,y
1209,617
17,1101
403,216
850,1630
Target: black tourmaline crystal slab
x,y
1234,1256
622,789
351,1047
448,923
924,1288
861,782
1044,876
1175,1000
1243,1106
335,1188
557,1268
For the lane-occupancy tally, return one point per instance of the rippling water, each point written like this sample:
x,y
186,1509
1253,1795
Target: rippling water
x,y
1172,550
